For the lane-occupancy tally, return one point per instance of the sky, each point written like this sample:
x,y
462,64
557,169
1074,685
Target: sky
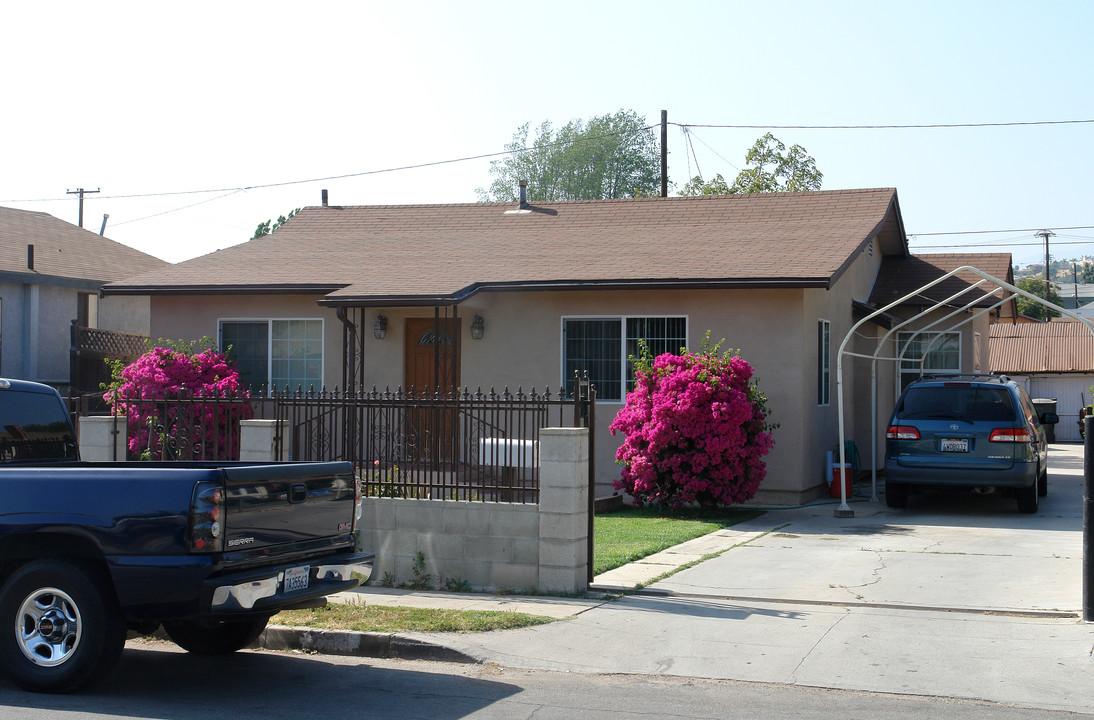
x,y
197,121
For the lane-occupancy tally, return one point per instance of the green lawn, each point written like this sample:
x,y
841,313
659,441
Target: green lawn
x,y
634,533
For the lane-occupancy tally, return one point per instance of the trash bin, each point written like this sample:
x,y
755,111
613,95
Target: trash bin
x,y
1042,406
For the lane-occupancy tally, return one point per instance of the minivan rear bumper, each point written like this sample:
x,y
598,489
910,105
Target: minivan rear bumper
x,y
1018,475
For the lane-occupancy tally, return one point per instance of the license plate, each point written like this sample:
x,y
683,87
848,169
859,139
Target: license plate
x,y
955,445
296,579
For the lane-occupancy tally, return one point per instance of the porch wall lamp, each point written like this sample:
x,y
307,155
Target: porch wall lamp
x,y
379,330
477,327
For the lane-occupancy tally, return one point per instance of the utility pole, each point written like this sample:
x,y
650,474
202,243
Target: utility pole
x,y
81,192
664,153
1046,234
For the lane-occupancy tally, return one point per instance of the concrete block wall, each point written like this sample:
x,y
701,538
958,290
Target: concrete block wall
x,y
492,546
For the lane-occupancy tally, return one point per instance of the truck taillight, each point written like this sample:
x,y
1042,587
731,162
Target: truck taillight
x,y
207,518
902,432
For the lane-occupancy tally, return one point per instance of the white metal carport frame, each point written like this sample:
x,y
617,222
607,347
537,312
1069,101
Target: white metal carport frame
x,y
844,509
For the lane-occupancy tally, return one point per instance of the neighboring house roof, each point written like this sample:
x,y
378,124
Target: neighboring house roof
x,y
902,276
1059,346
63,250
1075,295
440,254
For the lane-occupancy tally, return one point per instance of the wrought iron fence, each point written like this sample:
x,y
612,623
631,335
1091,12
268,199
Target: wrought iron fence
x,y
437,445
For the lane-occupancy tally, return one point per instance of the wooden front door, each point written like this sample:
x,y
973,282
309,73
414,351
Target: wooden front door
x,y
432,356
432,353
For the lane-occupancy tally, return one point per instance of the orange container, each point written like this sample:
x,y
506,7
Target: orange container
x,y
839,477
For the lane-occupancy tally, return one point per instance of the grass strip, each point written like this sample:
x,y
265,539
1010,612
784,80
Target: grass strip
x,y
380,618
633,533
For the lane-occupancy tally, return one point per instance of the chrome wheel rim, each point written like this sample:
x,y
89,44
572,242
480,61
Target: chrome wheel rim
x,y
48,627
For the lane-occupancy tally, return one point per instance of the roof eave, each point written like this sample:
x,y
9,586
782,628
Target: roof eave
x,y
293,289
571,285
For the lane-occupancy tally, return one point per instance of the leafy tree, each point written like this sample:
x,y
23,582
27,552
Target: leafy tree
x,y
1036,286
264,228
696,428
717,185
769,168
610,156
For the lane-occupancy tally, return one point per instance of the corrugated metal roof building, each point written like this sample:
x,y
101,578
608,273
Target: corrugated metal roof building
x,y
1057,360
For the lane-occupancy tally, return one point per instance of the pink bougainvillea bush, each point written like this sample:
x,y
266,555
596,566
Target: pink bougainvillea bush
x,y
181,404
696,428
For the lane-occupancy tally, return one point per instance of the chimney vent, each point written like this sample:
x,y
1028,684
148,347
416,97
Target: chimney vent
x,y
30,257
523,194
324,197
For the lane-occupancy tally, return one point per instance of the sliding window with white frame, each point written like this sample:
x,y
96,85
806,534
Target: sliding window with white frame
x,y
602,346
276,353
943,354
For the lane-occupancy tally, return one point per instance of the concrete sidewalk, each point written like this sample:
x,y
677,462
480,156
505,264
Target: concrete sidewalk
x,y
954,596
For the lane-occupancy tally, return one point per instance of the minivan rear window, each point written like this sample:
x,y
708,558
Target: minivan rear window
x,y
959,403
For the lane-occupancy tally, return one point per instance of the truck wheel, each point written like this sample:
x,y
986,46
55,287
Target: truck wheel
x,y
210,637
64,629
1027,499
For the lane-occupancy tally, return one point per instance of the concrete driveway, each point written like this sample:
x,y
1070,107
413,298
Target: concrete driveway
x,y
944,551
953,596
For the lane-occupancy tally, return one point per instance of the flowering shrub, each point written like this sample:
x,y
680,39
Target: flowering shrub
x,y
177,404
696,430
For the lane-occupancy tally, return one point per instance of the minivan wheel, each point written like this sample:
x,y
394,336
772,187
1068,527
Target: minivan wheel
x,y
896,494
1027,498
1042,483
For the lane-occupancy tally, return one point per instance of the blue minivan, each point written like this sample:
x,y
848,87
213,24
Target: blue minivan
x,y
967,431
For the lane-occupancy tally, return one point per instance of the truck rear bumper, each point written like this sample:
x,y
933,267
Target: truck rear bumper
x,y
268,589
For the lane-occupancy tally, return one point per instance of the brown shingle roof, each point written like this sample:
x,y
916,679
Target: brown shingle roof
x,y
900,276
1058,346
65,250
429,253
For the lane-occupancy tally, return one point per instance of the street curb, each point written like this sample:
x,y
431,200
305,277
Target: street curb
x,y
361,644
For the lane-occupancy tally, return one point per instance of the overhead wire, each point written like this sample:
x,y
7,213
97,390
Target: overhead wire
x,y
685,127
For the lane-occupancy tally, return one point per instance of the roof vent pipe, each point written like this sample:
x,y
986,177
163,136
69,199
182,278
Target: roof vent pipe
x,y
324,197
30,257
523,194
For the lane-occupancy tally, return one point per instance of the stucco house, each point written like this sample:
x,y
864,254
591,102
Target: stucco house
x,y
525,294
50,275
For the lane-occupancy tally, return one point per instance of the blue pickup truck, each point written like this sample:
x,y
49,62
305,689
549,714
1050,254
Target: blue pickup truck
x,y
210,551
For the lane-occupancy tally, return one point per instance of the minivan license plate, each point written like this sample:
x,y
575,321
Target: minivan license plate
x,y
955,445
296,579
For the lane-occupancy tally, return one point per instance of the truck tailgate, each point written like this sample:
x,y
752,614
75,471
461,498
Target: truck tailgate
x,y
288,508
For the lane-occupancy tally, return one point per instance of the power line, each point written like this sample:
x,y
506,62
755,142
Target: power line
x,y
983,232
515,151
890,127
264,186
1008,244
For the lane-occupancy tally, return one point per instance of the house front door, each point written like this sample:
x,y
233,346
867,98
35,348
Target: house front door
x,y
432,356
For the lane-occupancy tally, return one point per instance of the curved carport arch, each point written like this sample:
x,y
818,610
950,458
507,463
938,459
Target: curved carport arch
x,y
985,279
